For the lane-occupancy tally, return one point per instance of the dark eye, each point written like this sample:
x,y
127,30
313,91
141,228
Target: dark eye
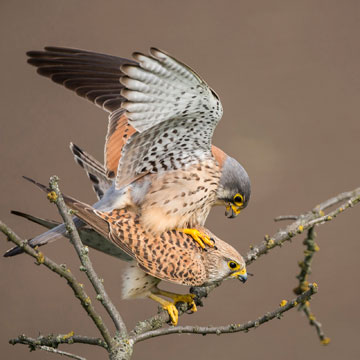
x,y
238,200
232,264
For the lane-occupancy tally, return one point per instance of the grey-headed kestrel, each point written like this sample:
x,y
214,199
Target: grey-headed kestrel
x,y
158,150
172,256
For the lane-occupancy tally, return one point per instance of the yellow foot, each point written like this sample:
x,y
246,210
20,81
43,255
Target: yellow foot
x,y
199,237
188,298
168,306
173,312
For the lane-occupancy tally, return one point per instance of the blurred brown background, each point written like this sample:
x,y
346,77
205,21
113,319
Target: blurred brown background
x,y
288,76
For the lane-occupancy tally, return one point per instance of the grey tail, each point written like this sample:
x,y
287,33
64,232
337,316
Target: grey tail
x,y
42,239
49,224
94,170
53,234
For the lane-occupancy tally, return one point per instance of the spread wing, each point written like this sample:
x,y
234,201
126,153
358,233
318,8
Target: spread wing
x,y
166,110
174,112
95,77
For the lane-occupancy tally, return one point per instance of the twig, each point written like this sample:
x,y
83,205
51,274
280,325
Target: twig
x,y
60,352
218,330
82,252
305,270
318,326
55,340
65,272
304,222
286,217
337,199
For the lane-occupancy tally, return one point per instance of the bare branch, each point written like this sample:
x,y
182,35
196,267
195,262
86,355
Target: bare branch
x,y
55,340
286,217
232,328
305,270
65,272
318,326
304,222
82,252
337,199
60,352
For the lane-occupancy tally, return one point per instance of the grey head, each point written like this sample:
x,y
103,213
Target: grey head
x,y
234,187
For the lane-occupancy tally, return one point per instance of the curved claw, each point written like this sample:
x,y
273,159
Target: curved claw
x,y
199,237
188,298
173,312
170,307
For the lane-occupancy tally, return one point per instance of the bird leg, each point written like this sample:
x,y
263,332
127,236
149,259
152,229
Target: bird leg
x,y
170,306
199,237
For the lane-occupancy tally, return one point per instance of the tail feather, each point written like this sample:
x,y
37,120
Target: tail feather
x,y
94,170
56,233
49,224
96,239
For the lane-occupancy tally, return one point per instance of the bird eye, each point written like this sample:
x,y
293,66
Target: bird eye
x,y
232,264
238,200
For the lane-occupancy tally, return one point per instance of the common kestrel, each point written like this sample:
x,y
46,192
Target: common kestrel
x,y
158,150
172,256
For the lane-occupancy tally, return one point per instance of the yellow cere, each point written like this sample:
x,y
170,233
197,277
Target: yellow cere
x,y
243,271
238,273
235,209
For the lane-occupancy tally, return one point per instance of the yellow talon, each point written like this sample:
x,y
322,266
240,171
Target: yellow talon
x,y
189,299
173,312
170,306
199,237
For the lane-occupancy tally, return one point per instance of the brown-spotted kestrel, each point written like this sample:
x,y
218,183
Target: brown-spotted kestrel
x,y
158,149
172,256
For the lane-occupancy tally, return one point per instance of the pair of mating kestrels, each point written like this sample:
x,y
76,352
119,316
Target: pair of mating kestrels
x,y
161,175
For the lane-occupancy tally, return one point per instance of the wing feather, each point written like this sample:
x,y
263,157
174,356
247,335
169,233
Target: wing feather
x,y
174,112
155,93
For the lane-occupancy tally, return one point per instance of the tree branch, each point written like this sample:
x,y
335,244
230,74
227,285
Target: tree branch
x,y
82,252
65,272
305,270
304,222
55,340
232,328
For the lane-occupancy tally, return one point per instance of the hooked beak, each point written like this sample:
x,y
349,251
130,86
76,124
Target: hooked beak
x,y
241,275
232,211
